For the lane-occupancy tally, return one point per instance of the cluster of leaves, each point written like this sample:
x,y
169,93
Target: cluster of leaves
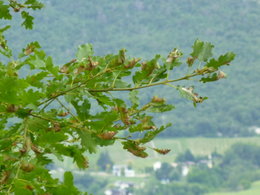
x,y
69,110
23,8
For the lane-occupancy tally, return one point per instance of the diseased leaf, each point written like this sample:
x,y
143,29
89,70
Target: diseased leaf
x,y
189,94
173,59
135,149
150,135
30,48
162,151
147,70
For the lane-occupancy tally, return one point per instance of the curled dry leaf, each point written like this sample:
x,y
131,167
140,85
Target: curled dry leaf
x,y
64,69
12,108
221,75
56,127
107,135
85,163
190,61
63,114
29,187
124,115
10,158
194,96
4,177
132,63
27,167
138,151
92,64
162,151
173,55
158,100
36,149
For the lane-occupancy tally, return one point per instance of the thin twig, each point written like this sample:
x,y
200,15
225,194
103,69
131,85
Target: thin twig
x,y
68,110
46,105
41,117
144,86
73,88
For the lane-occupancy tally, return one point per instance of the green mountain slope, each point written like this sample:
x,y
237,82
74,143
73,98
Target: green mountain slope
x,y
147,27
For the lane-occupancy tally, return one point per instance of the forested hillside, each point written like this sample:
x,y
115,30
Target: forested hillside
x,y
148,27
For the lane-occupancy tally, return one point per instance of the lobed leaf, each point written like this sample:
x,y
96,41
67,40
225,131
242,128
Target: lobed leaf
x,y
222,60
84,51
202,50
28,20
5,12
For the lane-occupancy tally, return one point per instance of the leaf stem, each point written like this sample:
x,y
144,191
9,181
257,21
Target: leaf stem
x,y
144,86
68,110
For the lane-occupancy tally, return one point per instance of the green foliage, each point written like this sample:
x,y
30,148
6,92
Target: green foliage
x,y
225,23
72,109
4,11
15,6
202,51
28,20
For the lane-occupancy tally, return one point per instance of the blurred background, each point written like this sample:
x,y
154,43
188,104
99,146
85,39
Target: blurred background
x,y
216,146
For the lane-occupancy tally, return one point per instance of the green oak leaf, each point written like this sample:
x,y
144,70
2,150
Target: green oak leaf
x,y
5,12
34,4
211,78
21,187
84,51
150,135
68,179
67,187
133,96
10,88
87,141
82,109
202,50
222,60
160,107
4,28
28,20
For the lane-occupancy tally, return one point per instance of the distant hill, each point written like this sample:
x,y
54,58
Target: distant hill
x,y
148,27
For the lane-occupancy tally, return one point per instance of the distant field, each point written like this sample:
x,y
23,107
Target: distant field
x,y
254,190
198,146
